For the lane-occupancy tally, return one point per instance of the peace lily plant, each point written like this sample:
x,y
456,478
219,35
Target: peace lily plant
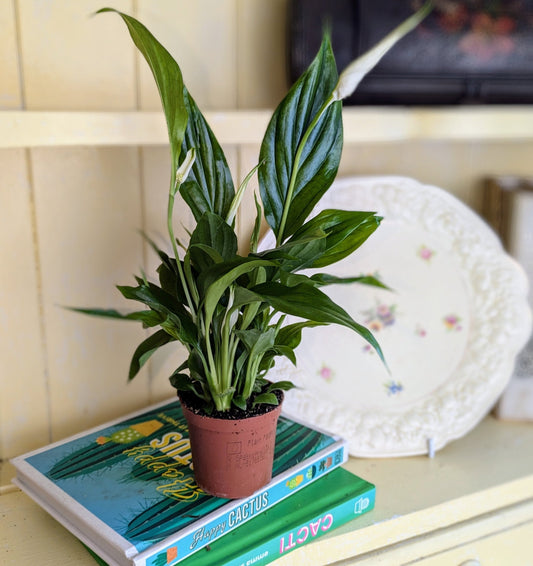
x,y
229,310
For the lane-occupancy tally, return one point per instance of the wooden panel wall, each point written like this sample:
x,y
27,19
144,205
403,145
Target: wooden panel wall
x,y
70,216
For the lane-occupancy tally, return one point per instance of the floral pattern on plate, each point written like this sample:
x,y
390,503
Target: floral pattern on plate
x,y
453,294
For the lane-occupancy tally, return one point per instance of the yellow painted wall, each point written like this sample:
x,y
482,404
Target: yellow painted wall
x,y
69,216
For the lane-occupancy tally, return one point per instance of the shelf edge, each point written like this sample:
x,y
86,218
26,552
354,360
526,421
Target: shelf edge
x,y
28,129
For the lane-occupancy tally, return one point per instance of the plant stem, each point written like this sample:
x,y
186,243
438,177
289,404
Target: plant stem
x,y
212,371
176,255
177,179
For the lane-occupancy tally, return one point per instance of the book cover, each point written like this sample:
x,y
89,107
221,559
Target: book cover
x,y
126,489
317,509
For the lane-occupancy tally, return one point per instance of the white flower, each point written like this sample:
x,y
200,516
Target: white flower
x,y
356,71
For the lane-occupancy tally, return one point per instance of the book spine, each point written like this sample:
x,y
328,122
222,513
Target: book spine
x,y
171,551
307,531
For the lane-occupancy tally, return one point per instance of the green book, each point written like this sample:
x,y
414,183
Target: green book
x,y
317,509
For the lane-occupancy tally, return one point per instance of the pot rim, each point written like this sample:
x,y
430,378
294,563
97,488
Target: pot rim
x,y
233,421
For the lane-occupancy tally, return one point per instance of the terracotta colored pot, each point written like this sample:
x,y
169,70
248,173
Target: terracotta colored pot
x,y
232,458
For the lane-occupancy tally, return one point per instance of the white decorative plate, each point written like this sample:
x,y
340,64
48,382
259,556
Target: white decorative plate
x,y
450,329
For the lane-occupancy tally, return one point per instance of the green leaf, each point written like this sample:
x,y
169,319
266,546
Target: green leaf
x,y
209,186
299,253
267,362
168,279
240,402
257,341
281,385
243,296
222,276
301,150
146,349
169,80
322,279
203,256
212,232
164,303
291,334
293,279
281,350
148,318
345,230
308,302
252,302
181,382
289,338
266,398
254,238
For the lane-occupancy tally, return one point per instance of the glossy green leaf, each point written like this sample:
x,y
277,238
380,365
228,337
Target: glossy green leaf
x,y
301,149
168,78
279,350
204,256
168,278
183,382
308,302
281,385
244,296
323,279
256,232
257,341
167,271
212,232
291,334
209,186
164,303
145,350
148,318
345,230
266,398
226,275
298,254
240,402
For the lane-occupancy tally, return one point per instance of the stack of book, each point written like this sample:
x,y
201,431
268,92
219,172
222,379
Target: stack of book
x,y
508,208
127,491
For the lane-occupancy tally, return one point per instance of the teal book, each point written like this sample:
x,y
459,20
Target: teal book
x,y
127,490
317,509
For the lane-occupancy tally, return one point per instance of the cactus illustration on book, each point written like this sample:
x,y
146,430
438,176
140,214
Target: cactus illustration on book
x,y
108,449
132,433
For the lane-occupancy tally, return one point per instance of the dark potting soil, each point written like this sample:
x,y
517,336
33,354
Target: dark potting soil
x,y
190,400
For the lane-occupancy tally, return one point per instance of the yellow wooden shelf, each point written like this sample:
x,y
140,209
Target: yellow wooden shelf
x,y
474,498
362,125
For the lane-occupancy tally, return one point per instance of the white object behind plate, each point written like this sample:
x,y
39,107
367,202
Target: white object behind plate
x,y
450,329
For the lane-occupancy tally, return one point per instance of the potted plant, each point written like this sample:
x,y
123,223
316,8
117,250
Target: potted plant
x,y
227,309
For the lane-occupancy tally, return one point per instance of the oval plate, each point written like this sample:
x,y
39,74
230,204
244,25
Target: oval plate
x,y
450,327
